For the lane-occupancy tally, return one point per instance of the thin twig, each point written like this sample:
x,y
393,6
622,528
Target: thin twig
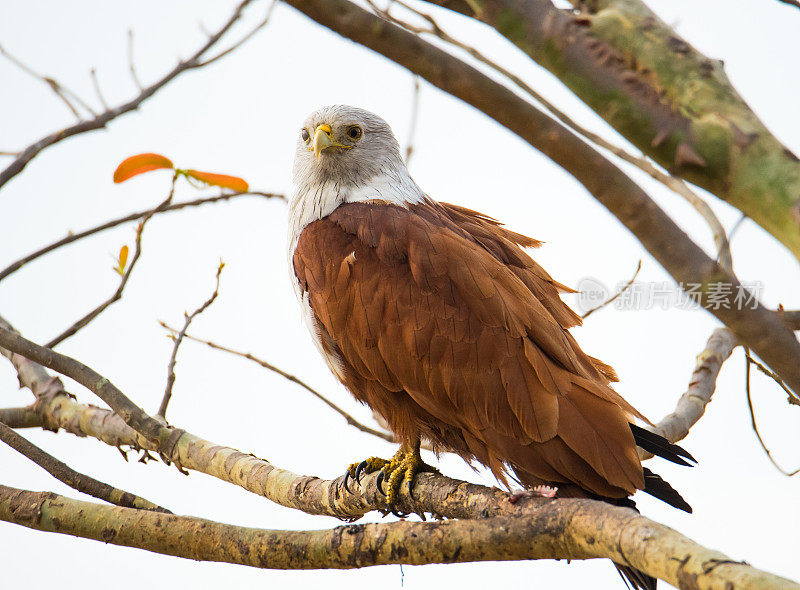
x,y
793,398
412,127
617,294
748,361
162,410
96,85
104,118
288,376
58,89
117,295
77,481
675,184
6,153
73,237
131,63
244,39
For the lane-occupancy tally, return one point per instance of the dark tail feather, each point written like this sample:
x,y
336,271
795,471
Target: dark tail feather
x,y
635,579
660,446
658,488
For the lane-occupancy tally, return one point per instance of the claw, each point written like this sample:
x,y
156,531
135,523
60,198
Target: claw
x,y
344,482
397,512
359,471
379,483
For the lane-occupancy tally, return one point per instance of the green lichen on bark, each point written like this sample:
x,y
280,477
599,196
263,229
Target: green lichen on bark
x,y
669,100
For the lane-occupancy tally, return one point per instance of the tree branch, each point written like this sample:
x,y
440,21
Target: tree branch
x,y
661,94
569,529
289,377
78,481
692,404
551,530
757,327
105,117
126,274
671,182
74,237
162,410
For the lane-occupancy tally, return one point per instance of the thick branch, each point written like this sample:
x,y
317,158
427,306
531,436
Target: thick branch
x,y
664,96
105,117
515,529
758,327
74,479
159,435
563,529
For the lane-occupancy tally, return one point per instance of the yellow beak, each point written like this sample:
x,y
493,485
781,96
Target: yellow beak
x,y
322,140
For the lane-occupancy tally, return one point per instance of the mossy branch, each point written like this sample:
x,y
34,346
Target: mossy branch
x,y
664,96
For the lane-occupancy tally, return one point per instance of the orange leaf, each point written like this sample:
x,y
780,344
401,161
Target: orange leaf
x,y
221,180
123,260
138,164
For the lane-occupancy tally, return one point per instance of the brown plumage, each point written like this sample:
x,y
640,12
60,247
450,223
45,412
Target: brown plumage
x,y
436,317
449,330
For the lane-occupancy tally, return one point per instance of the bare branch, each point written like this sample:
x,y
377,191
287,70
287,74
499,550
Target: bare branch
x,y
795,3
78,481
162,410
754,325
105,117
58,89
21,418
96,85
243,40
131,62
692,404
548,529
73,237
748,361
675,184
412,126
794,399
289,377
117,295
565,528
617,294
150,430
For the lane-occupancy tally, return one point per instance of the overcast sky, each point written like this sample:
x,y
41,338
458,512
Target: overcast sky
x,y
241,116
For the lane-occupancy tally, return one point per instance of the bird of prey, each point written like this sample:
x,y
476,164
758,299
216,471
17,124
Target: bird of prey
x,y
437,318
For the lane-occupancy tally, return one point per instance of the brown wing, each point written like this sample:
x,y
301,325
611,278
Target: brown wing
x,y
447,328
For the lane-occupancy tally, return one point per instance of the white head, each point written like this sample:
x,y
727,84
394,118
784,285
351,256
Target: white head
x,y
345,154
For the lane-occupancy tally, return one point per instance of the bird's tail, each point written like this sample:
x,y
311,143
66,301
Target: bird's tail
x,y
635,579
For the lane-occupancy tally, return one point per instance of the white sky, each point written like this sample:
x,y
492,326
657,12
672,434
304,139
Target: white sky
x,y
240,117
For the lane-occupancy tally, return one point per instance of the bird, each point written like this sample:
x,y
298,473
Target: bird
x,y
438,319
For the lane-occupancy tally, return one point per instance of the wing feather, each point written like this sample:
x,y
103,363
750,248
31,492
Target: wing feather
x,y
447,328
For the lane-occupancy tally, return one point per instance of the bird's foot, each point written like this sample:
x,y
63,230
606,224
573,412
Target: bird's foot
x,y
402,468
356,470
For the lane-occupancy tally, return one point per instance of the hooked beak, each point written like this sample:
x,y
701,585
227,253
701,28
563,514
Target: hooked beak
x,y
322,140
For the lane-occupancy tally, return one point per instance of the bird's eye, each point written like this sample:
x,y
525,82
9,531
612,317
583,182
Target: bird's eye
x,y
305,134
354,132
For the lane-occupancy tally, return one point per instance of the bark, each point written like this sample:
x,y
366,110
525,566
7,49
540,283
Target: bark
x,y
664,96
548,529
496,525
